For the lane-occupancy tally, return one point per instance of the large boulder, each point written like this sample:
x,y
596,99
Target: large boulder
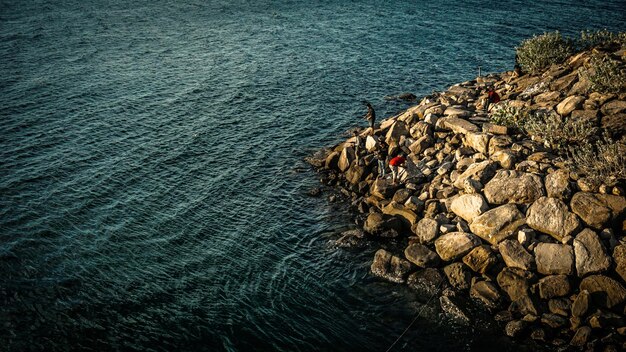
x,y
403,212
355,173
553,286
469,206
558,185
569,104
551,216
346,158
458,125
498,224
597,209
482,172
604,291
480,259
613,107
619,256
554,259
515,282
509,186
458,275
390,267
454,245
590,254
383,188
478,141
421,255
426,230
394,133
487,293
383,225
515,255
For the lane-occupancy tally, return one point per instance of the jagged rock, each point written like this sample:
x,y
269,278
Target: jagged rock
x,y
597,209
355,173
427,282
400,210
590,254
525,236
480,259
331,161
547,96
558,185
505,158
458,125
401,195
482,172
469,206
458,276
431,119
421,129
551,216
554,259
414,204
495,129
515,328
421,144
497,143
604,291
515,255
454,111
553,320
455,310
580,306
379,225
421,255
487,293
397,130
513,187
455,244
613,107
478,141
426,230
581,336
564,83
569,104
553,286
498,224
390,267
471,186
515,282
346,158
619,256
524,306
560,306
383,188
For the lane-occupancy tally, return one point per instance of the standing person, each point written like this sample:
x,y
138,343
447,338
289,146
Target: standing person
x,y
395,163
358,141
371,115
492,98
381,156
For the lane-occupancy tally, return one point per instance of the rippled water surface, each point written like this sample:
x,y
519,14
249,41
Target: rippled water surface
x,y
152,189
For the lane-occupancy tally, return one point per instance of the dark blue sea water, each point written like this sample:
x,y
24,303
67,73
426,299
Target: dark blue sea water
x,y
152,188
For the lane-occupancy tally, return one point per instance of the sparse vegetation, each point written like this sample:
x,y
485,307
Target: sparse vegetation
x,y
558,132
590,39
508,115
605,74
602,163
541,51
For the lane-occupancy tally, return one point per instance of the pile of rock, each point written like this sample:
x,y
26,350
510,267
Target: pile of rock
x,y
489,214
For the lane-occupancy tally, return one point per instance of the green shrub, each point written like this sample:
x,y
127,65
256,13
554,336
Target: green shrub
x,y
541,51
590,39
603,162
507,115
605,74
558,133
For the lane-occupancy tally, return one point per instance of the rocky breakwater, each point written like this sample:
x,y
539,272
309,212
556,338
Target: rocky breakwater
x,y
491,218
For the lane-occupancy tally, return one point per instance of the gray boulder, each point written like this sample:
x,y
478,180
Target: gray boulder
x,y
498,224
469,206
558,185
509,186
390,267
421,255
604,291
551,216
554,259
426,230
590,254
515,255
553,286
453,245
597,209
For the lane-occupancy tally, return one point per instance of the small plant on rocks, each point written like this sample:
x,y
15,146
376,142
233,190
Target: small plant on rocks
x,y
541,51
605,74
508,115
557,132
590,39
603,162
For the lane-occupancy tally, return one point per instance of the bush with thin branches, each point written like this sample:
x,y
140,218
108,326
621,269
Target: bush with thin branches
x,y
539,52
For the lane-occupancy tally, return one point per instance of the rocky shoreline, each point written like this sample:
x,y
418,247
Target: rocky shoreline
x,y
492,218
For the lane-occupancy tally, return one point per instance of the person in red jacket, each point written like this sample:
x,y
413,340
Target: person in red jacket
x,y
394,164
492,98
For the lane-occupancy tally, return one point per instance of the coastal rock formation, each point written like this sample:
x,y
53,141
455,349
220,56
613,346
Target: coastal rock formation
x,y
482,210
